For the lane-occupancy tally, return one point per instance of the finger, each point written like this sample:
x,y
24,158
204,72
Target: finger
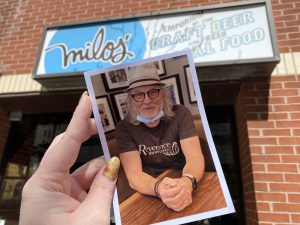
x,y
179,197
184,204
62,154
170,181
171,192
178,201
85,174
98,201
77,192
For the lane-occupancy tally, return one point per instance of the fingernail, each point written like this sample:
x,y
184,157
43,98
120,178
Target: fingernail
x,y
83,94
112,168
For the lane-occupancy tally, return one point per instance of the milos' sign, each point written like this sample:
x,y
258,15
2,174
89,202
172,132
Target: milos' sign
x,y
237,33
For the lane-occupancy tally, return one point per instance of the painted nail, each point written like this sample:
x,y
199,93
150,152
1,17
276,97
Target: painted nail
x,y
112,168
85,93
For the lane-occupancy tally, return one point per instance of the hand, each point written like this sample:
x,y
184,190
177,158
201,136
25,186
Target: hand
x,y
174,193
52,196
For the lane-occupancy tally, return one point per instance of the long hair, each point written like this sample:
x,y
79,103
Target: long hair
x,y
167,108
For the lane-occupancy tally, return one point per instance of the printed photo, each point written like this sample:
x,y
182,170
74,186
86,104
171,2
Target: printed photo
x,y
168,154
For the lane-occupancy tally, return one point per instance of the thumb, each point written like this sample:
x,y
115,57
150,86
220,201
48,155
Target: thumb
x,y
97,203
170,181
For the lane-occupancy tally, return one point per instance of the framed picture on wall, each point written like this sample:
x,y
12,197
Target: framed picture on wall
x,y
190,86
105,114
120,104
160,67
115,80
173,88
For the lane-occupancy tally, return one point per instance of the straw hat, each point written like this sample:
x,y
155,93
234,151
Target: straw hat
x,y
141,75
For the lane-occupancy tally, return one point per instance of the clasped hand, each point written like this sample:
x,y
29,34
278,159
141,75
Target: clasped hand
x,y
176,194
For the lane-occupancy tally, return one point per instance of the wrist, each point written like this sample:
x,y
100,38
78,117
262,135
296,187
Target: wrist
x,y
191,179
187,183
155,189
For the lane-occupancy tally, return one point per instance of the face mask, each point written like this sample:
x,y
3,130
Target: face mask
x,y
149,120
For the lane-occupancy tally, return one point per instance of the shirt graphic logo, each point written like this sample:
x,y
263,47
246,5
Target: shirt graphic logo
x,y
165,149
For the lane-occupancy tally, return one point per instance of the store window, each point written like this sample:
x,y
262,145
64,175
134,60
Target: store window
x,y
26,144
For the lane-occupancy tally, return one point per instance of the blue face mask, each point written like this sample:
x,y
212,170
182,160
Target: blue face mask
x,y
149,120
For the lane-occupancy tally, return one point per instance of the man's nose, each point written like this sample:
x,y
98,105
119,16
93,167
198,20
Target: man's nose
x,y
147,99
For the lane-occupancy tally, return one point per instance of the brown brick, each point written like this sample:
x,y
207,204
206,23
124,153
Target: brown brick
x,y
290,92
292,177
270,197
282,6
275,86
263,206
291,23
284,187
265,158
292,84
262,141
261,124
260,186
291,11
293,99
286,207
276,116
258,167
289,108
277,132
296,132
292,168
286,30
253,133
289,141
294,198
277,177
273,217
256,150
295,218
287,124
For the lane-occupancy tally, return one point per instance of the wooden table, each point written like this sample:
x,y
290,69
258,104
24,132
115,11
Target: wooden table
x,y
142,209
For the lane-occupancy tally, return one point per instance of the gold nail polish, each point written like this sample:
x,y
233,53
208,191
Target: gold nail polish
x,y
112,168
83,94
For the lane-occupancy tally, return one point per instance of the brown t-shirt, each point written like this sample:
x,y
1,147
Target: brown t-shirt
x,y
159,146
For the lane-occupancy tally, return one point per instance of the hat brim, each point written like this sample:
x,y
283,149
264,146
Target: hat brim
x,y
144,83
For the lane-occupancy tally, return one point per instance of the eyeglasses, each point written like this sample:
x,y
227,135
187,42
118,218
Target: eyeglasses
x,y
140,96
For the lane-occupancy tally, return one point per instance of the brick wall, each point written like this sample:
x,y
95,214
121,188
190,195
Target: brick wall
x,y
269,111
245,157
286,17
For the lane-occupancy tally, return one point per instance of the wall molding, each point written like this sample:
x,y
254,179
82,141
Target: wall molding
x,y
23,83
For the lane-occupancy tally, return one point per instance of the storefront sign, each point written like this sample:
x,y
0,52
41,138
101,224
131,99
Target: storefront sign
x,y
236,33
